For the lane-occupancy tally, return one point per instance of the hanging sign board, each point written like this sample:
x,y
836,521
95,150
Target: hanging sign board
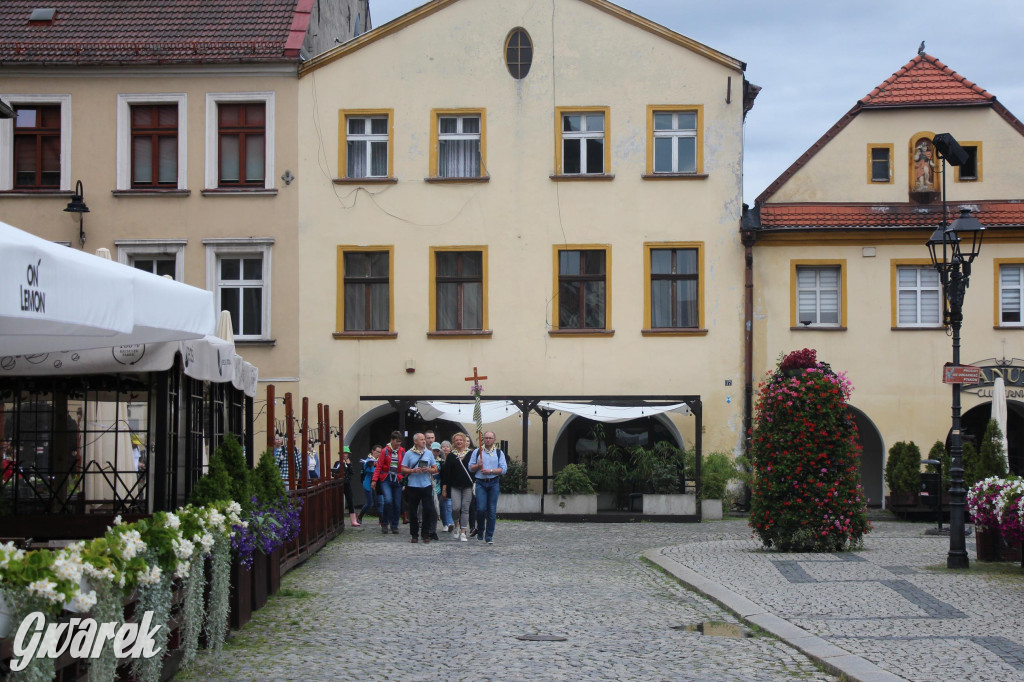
x,y
961,374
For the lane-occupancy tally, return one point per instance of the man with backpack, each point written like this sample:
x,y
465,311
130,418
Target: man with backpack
x,y
488,465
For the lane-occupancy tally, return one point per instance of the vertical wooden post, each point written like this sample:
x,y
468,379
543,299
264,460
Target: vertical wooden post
x,y
327,440
271,424
289,445
321,438
305,442
335,511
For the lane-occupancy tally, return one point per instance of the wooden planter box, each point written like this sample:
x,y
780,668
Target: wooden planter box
x,y
240,599
683,504
569,504
260,582
274,571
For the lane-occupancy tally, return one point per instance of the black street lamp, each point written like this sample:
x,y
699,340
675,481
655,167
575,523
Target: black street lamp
x,y
953,247
77,205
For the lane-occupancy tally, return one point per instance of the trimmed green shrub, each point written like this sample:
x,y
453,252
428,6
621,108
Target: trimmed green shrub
x,y
939,452
572,480
267,486
716,469
990,459
514,480
227,477
903,468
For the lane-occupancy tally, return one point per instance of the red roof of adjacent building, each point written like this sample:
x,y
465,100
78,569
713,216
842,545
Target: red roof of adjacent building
x,y
98,32
925,81
792,216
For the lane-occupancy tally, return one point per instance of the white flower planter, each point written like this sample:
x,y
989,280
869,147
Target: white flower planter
x,y
711,510
671,505
569,504
525,503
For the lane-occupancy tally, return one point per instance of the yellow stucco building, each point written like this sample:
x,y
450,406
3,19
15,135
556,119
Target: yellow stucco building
x,y
840,263
549,194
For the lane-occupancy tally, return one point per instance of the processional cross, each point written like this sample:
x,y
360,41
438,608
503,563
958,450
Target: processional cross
x,y
476,389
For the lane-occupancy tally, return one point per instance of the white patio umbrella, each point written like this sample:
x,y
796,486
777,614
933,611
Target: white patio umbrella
x,y
48,290
54,298
999,413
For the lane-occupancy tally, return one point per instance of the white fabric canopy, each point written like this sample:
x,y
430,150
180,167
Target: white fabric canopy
x,y
999,413
208,359
490,410
56,298
496,410
612,413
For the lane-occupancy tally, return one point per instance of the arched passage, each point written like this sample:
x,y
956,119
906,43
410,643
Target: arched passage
x,y
577,436
872,458
975,420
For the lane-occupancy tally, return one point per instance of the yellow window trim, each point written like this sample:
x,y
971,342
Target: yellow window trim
x,y
339,322
607,248
657,108
561,111
343,115
812,262
435,114
997,263
894,264
956,173
871,147
433,289
701,287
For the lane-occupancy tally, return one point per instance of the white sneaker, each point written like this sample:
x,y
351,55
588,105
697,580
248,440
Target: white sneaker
x,y
462,537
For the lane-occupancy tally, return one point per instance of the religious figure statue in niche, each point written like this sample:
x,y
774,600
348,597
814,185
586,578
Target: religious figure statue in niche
x,y
924,166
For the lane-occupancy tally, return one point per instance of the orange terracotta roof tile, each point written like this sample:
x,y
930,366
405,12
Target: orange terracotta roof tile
x,y
924,80
836,217
152,31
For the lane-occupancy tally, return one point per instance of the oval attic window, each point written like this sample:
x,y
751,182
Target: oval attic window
x,y
518,52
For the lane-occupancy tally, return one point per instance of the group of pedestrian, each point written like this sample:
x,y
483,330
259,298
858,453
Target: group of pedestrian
x,y
435,482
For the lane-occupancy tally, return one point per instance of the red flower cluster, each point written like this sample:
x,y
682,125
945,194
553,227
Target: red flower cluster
x,y
806,492
800,359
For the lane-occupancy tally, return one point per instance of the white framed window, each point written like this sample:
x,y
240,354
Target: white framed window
x,y
166,145
52,148
918,296
583,143
675,141
238,274
240,140
159,256
367,147
1011,289
458,146
818,296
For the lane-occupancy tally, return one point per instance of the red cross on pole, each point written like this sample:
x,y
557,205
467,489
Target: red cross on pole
x,y
476,378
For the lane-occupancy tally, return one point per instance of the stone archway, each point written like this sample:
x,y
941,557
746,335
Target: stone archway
x,y
975,420
872,458
644,431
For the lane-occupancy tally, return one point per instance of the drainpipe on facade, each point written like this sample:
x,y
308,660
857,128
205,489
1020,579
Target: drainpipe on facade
x,y
749,223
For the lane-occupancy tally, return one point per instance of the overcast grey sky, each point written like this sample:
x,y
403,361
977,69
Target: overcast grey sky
x,y
815,58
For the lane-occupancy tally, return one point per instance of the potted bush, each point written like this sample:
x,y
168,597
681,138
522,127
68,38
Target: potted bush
x,y
903,474
609,479
514,498
660,473
988,460
717,469
573,492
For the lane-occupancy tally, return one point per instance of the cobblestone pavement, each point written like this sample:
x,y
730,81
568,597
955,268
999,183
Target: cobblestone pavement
x,y
376,607
893,605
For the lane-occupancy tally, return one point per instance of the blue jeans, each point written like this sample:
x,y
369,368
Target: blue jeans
x,y
446,511
486,507
392,512
371,501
